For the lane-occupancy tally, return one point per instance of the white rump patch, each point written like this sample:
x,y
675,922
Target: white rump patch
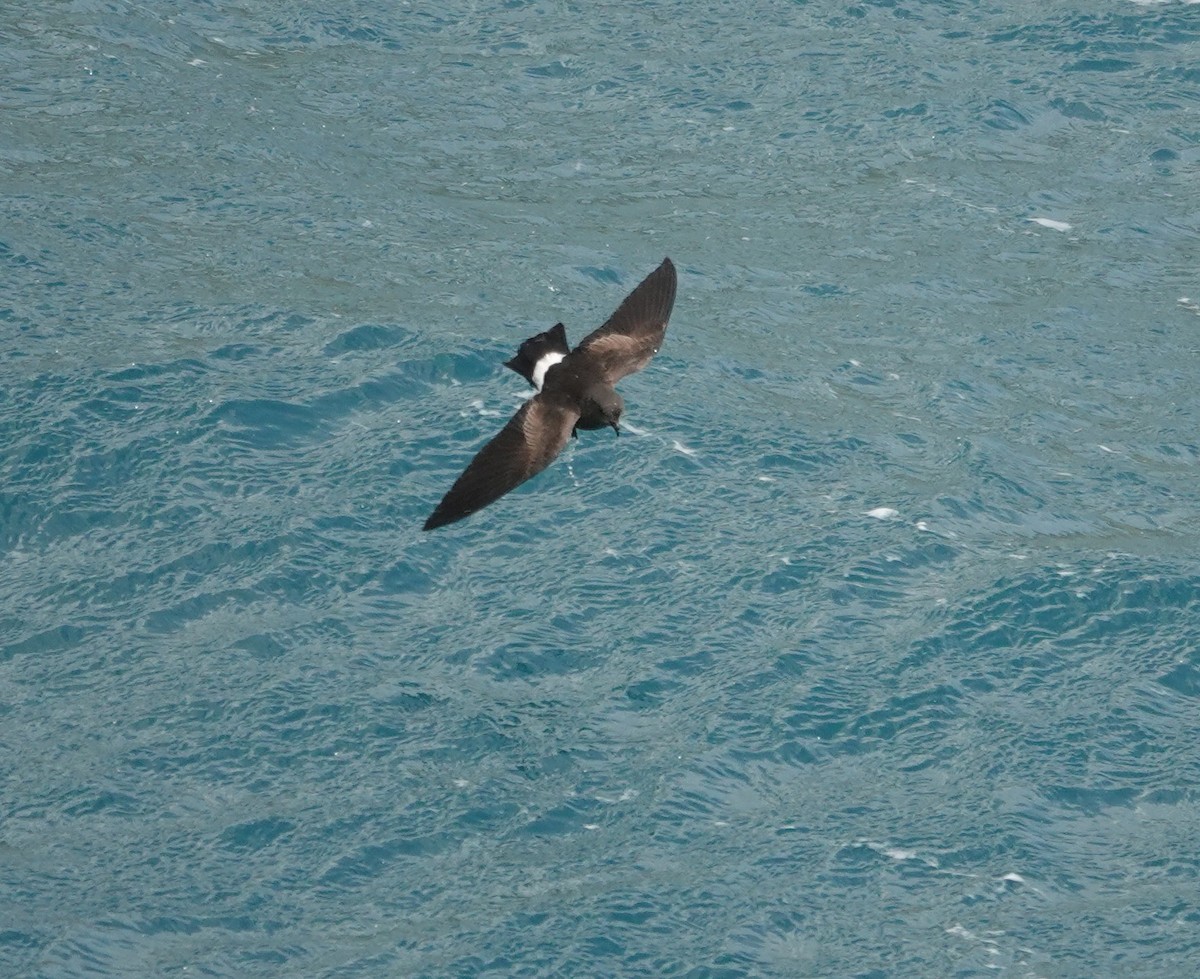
x,y
545,362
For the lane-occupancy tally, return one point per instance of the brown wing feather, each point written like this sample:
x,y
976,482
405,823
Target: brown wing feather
x,y
530,441
634,333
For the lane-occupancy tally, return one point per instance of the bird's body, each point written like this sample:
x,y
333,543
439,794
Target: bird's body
x,y
574,390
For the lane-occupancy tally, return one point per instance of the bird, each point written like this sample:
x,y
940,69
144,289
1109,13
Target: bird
x,y
574,390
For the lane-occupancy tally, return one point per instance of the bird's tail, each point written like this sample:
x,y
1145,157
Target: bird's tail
x,y
531,352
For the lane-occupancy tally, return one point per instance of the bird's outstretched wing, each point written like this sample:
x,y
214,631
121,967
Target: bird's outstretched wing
x,y
635,331
523,448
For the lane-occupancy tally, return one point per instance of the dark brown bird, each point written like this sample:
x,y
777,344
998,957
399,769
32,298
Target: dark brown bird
x,y
575,390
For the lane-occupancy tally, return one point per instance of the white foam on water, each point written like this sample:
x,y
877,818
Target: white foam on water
x,y
475,407
1052,224
625,796
883,513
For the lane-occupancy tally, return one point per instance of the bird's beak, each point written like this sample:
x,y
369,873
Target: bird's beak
x,y
614,427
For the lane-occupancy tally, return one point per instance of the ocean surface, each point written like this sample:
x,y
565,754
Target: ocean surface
x,y
870,649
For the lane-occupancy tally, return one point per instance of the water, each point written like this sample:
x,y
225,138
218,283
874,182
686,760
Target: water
x,y
873,650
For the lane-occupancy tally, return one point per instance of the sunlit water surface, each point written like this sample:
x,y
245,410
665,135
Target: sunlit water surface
x,y
871,649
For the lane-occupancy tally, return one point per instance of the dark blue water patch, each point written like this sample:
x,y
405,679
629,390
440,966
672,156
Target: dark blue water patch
x,y
555,69
263,646
793,575
237,352
367,337
465,368
606,275
58,639
1184,679
250,837
745,372
922,713
1177,75
409,700
882,582
391,388
178,614
783,463
262,423
204,561
366,34
568,818
22,516
405,576
856,374
1106,65
1068,607
526,658
18,324
19,261
918,110
1015,615
21,948
368,861
828,708
102,801
139,374
1075,109
651,693
826,290
1003,115
1089,800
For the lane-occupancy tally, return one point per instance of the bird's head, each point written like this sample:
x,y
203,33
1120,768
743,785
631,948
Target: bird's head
x,y
608,405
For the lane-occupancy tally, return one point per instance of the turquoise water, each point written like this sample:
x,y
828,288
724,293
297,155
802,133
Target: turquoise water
x,y
872,649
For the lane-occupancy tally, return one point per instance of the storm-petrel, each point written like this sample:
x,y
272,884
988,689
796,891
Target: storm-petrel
x,y
574,390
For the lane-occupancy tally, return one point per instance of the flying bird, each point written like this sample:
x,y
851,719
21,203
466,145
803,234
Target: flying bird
x,y
574,390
